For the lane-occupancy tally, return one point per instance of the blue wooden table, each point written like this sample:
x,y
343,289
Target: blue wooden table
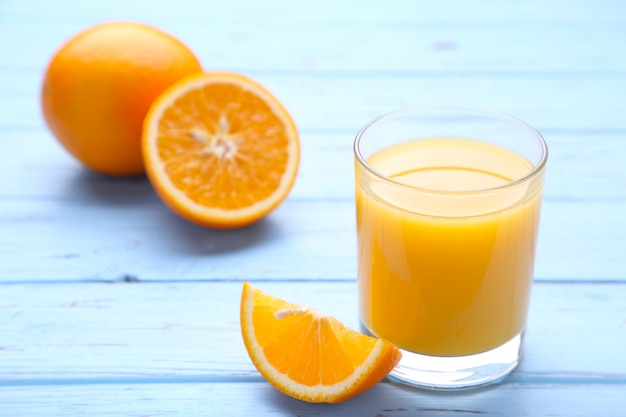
x,y
111,305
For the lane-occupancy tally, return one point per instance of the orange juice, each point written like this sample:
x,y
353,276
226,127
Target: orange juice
x,y
446,248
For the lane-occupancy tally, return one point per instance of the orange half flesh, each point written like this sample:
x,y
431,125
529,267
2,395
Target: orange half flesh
x,y
220,149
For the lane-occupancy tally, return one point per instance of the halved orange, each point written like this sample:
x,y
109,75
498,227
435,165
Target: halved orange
x,y
220,149
307,355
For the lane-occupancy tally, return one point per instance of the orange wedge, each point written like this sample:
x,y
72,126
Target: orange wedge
x,y
220,149
307,355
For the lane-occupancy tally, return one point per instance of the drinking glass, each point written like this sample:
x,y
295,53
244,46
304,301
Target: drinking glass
x,y
447,203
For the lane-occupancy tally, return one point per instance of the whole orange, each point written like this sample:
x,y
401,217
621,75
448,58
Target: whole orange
x,y
99,86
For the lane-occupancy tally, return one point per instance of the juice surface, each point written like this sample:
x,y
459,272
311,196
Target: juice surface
x,y
446,274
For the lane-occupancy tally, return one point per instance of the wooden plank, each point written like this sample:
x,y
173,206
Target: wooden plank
x,y
402,36
548,102
109,238
329,11
260,399
576,169
189,332
293,45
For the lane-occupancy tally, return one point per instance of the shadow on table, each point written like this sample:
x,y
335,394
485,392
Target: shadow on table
x,y
109,190
138,208
390,399
195,239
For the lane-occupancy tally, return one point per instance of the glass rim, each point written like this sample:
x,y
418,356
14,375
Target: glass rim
x,y
537,168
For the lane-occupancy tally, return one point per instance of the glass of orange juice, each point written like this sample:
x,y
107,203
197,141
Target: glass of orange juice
x,y
448,202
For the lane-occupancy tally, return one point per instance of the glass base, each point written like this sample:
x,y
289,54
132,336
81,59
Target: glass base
x,y
460,372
